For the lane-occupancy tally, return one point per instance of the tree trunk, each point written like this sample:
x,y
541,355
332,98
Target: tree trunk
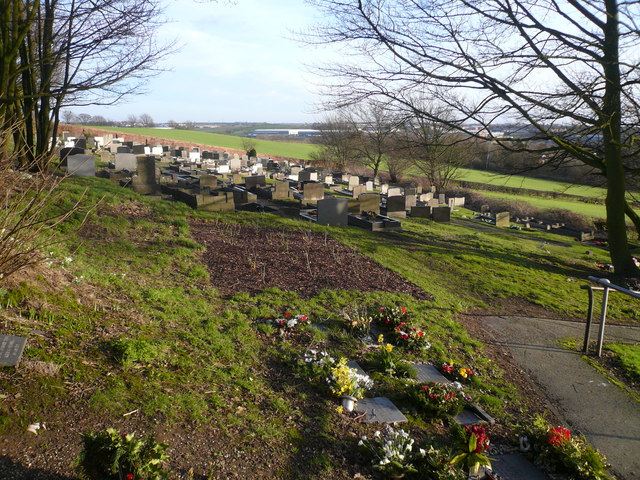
x,y
611,113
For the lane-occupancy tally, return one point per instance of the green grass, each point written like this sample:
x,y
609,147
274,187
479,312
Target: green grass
x,y
581,208
627,357
519,181
263,147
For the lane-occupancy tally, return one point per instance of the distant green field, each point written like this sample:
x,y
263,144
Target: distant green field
x,y
263,147
518,181
581,208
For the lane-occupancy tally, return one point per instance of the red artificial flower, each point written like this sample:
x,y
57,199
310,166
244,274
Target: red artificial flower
x,y
404,336
559,436
129,476
287,315
403,310
420,334
482,439
303,318
382,309
425,388
402,324
433,396
446,368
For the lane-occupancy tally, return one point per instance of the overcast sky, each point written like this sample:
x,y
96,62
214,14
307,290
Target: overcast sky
x,y
237,63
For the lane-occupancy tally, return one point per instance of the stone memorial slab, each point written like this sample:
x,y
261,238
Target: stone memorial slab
x,y
358,190
210,181
473,415
237,179
138,149
515,467
428,373
410,191
305,176
503,219
295,170
441,214
223,169
410,201
66,151
354,181
369,202
312,192
255,181
395,191
384,189
425,197
195,156
369,185
156,150
81,142
234,164
434,202
81,165
281,191
380,410
458,201
126,161
442,199
11,348
396,206
333,211
421,212
328,180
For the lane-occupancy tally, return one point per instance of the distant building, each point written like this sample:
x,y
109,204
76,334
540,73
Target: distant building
x,y
298,132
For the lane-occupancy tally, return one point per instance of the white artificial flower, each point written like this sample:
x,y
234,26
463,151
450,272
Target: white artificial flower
x,y
292,323
457,385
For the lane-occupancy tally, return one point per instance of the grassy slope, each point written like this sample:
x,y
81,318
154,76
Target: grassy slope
x,y
169,346
263,147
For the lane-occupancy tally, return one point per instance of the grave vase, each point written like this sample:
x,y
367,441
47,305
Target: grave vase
x,y
349,402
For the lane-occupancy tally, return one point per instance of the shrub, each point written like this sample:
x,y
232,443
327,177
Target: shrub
x,y
108,455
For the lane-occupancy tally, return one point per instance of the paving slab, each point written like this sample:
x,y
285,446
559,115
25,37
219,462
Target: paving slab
x,y
515,467
587,400
380,410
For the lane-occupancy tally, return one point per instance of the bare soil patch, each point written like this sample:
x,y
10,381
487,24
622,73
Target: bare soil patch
x,y
245,258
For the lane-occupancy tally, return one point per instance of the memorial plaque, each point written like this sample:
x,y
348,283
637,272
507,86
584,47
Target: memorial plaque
x,y
380,410
353,364
428,373
11,348
473,415
515,467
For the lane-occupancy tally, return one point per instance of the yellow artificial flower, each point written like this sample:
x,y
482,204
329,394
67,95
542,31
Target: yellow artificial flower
x,y
388,347
380,338
339,409
463,372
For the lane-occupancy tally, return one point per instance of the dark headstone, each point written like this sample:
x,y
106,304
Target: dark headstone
x,y
123,149
11,348
254,181
421,212
81,142
396,206
369,202
65,152
126,161
312,192
333,211
441,214
515,467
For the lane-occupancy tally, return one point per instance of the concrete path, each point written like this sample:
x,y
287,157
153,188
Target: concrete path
x,y
608,416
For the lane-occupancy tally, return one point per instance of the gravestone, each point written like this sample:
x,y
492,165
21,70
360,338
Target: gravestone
x,y
281,191
384,189
157,150
441,214
425,197
307,176
353,364
357,190
81,142
123,149
295,170
328,180
66,151
396,206
410,191
458,201
255,181
380,410
65,136
223,169
242,197
312,192
91,143
410,201
369,186
354,181
11,348
369,202
144,182
425,372
81,165
126,161
515,467
237,179
421,212
333,211
485,209
210,181
195,156
587,236
434,202
473,415
442,198
234,164
138,149
503,219
354,206
395,191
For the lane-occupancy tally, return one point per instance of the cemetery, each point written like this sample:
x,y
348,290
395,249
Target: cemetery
x,y
229,334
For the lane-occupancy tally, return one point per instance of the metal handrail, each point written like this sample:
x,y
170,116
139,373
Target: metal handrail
x,y
606,286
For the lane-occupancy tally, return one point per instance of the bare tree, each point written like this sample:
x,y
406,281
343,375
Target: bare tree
x,y
69,117
65,53
146,120
374,126
337,140
131,120
84,119
567,69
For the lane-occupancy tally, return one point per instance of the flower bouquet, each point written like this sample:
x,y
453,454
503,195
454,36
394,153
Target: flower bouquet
x,y
473,446
289,321
392,452
389,318
456,373
347,383
436,399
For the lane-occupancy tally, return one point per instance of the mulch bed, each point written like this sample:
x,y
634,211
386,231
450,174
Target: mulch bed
x,y
245,258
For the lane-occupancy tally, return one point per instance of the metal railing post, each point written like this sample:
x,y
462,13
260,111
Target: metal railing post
x,y
587,331
603,319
